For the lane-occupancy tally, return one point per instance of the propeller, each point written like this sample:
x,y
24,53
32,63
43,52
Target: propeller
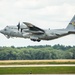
x,y
21,29
18,26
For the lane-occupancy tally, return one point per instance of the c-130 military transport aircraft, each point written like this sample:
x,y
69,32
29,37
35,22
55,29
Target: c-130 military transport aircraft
x,y
28,30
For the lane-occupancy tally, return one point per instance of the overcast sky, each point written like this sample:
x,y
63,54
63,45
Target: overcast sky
x,y
53,14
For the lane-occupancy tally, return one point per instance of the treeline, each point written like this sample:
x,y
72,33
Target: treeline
x,y
37,52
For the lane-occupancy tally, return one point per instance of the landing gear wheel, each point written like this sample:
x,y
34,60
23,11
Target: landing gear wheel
x,y
35,40
38,40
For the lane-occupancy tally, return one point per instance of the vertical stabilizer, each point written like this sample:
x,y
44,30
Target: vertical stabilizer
x,y
71,25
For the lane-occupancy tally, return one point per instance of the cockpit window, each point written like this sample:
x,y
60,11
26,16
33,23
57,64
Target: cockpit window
x,y
5,29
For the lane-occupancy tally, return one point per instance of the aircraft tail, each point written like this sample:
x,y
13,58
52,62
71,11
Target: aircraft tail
x,y
71,25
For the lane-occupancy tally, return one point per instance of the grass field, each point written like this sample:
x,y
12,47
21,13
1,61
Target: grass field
x,y
38,70
25,62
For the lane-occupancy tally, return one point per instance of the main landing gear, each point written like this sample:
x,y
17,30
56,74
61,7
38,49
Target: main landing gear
x,y
36,40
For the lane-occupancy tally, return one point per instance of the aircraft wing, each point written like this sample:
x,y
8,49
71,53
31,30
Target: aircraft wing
x,y
33,28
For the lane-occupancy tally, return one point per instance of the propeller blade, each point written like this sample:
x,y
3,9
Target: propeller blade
x,y
18,26
21,29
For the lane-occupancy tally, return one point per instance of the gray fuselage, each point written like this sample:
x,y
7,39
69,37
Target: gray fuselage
x,y
12,31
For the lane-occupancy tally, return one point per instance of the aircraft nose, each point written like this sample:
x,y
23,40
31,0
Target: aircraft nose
x,y
1,31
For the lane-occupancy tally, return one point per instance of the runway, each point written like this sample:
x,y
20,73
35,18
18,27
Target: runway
x,y
51,65
5,66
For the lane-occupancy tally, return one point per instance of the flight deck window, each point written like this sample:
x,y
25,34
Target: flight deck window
x,y
5,29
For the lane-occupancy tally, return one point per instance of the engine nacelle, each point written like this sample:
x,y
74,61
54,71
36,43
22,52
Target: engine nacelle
x,y
26,30
26,35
